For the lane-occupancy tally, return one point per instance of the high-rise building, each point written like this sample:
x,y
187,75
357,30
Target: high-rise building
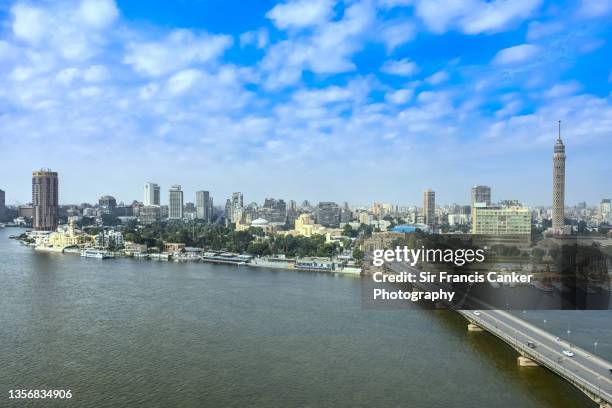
x,y
274,211
175,202
236,208
328,214
481,194
429,208
107,204
605,210
151,194
558,209
3,211
204,205
45,196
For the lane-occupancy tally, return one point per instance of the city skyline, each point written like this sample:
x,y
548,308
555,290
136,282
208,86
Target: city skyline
x,y
321,100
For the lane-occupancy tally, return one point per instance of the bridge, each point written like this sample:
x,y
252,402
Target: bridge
x,y
536,347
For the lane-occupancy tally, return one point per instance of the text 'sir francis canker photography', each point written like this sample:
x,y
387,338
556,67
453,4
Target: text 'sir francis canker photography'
x,y
306,203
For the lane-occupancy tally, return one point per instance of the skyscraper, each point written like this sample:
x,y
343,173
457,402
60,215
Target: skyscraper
x,y
175,206
151,194
429,208
2,205
204,205
481,194
236,208
328,214
558,210
44,200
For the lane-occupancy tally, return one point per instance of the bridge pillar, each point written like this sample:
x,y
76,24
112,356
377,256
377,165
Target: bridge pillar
x,y
526,362
474,327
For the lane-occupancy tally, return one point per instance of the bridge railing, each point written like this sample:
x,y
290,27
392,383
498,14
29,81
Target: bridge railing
x,y
549,362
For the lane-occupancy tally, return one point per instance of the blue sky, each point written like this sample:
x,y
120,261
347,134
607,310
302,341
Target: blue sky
x,y
323,100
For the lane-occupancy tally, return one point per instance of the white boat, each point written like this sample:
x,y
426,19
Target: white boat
x,y
96,253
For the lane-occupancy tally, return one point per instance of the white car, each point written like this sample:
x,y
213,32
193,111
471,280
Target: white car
x,y
568,353
476,312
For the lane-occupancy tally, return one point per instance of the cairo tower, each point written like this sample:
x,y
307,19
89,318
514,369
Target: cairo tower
x,y
558,209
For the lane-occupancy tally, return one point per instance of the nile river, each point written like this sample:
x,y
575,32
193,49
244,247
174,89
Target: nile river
x,y
124,332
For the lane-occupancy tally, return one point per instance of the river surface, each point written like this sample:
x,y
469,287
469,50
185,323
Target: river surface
x,y
125,332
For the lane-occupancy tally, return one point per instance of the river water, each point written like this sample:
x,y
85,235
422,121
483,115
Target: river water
x,y
125,332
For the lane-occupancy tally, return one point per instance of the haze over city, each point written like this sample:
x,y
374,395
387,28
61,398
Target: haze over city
x,y
319,100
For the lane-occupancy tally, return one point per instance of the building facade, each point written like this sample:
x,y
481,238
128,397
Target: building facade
x,y
175,202
204,205
151,194
45,196
328,214
429,208
481,194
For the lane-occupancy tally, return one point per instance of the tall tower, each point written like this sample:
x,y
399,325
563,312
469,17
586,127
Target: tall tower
x,y
558,209
175,206
151,194
429,208
44,200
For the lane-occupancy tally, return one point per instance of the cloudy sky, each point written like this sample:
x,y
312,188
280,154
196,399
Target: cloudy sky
x,y
309,99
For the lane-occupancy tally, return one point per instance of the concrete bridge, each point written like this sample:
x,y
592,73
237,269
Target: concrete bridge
x,y
589,373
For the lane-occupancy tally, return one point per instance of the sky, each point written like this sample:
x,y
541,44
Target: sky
x,y
358,101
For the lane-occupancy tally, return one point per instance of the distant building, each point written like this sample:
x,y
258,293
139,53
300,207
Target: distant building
x,y
2,204
204,205
481,194
345,214
305,226
328,214
429,208
151,194
149,214
501,220
605,210
107,204
234,208
175,202
45,196
274,211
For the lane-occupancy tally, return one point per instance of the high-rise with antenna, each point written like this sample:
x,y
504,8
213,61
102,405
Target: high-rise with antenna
x,y
558,209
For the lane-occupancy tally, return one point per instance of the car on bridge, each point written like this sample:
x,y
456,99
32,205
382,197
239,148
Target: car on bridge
x,y
568,353
476,312
531,344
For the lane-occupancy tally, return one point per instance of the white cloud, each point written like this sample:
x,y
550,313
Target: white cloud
x,y
474,16
60,28
259,38
399,97
403,67
183,80
563,90
538,30
96,73
516,54
595,8
28,23
180,49
396,33
98,13
437,78
301,13
327,51
66,76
